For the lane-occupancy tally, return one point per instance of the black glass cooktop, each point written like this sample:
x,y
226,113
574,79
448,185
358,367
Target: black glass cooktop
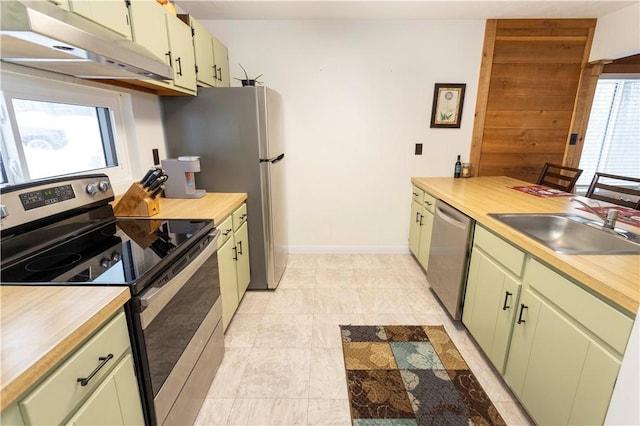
x,y
99,251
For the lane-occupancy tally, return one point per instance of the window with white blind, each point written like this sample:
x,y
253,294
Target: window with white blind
x,y
612,141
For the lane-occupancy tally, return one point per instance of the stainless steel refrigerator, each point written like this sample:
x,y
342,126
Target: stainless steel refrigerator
x,y
238,134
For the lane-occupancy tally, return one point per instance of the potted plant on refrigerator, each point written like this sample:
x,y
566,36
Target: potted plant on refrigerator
x,y
246,81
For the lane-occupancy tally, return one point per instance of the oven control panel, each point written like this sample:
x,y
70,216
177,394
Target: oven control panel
x,y
37,200
44,197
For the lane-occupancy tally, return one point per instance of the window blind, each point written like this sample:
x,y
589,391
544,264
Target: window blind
x,y
612,141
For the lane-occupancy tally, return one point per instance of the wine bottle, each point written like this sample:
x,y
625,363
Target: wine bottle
x,y
458,168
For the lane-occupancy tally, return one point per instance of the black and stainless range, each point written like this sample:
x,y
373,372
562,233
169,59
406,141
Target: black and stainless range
x,y
63,232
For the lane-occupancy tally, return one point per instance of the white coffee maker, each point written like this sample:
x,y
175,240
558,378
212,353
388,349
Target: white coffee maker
x,y
181,182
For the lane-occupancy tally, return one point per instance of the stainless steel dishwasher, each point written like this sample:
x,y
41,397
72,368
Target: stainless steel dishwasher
x,y
449,256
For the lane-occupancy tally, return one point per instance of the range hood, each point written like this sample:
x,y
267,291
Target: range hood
x,y
41,35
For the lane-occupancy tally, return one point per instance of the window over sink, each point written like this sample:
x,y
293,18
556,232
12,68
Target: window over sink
x,y
53,128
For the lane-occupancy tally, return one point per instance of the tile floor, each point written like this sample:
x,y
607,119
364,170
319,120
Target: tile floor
x,y
283,362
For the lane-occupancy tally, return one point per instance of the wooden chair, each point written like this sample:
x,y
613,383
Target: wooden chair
x,y
559,177
620,190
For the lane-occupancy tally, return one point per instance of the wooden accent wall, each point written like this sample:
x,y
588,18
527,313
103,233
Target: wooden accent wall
x,y
529,78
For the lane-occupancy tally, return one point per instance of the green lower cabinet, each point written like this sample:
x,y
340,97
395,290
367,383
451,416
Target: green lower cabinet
x,y
426,224
490,306
228,280
242,249
115,401
559,373
414,228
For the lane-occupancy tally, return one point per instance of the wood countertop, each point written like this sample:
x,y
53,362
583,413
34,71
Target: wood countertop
x,y
214,205
615,277
41,325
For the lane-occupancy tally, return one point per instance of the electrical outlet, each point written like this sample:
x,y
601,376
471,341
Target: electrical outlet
x,y
418,149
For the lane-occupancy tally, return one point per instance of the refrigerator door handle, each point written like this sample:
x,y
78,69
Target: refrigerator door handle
x,y
272,160
277,159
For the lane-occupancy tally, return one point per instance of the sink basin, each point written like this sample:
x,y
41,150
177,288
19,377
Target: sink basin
x,y
572,234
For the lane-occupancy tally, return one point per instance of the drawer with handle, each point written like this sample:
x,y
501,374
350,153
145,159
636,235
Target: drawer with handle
x,y
226,231
429,202
417,194
68,385
239,216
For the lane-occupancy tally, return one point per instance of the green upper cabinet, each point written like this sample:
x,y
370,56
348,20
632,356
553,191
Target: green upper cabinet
x,y
221,63
112,14
212,57
149,29
168,38
182,56
203,47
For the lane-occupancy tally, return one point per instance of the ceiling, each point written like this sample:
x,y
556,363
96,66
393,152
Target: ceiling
x,y
400,9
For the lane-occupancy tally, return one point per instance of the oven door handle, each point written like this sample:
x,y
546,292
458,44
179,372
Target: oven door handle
x,y
156,298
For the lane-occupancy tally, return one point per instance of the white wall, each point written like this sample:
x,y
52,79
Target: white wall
x,y
617,34
358,96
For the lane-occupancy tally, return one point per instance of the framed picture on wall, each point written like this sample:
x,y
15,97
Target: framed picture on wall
x,y
447,105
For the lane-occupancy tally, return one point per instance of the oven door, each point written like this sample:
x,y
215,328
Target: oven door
x,y
180,317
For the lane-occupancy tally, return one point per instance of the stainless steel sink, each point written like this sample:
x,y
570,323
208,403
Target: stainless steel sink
x,y
572,234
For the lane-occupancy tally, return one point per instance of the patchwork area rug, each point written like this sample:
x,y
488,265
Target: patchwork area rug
x,y
411,375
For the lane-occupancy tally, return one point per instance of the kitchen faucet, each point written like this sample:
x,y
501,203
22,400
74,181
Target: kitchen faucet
x,y
609,221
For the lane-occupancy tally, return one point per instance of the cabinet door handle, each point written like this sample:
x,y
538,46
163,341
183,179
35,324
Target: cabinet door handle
x,y
84,381
168,54
240,244
522,308
506,297
179,61
220,77
417,217
225,233
421,217
215,72
243,217
428,203
235,253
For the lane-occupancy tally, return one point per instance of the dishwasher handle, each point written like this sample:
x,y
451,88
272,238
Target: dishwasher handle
x,y
442,211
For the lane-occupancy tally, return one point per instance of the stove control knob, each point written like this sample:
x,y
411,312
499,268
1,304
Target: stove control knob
x,y
92,188
105,262
104,185
115,257
3,211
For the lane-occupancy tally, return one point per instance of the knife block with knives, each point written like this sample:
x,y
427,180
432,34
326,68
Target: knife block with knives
x,y
140,199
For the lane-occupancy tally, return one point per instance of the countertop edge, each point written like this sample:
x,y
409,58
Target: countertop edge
x,y
34,372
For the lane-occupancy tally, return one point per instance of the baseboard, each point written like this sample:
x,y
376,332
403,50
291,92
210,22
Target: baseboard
x,y
348,250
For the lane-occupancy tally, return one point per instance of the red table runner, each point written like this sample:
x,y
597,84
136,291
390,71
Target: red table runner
x,y
625,214
542,191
